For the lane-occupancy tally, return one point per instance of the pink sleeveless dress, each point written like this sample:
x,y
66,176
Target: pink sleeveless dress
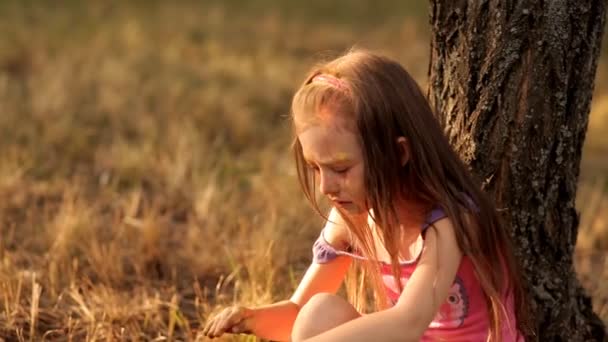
x,y
462,317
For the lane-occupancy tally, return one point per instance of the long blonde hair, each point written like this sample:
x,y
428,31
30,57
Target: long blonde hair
x,y
382,103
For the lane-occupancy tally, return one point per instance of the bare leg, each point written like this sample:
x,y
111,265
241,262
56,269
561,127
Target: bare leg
x,y
323,312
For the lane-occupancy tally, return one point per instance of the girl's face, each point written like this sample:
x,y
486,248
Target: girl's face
x,y
334,153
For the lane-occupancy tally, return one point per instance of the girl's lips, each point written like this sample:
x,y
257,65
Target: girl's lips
x,y
343,202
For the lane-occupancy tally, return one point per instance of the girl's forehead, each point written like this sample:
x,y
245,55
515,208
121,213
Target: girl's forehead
x,y
323,117
329,134
322,142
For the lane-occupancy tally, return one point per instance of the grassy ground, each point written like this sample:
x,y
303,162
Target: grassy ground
x,y
145,166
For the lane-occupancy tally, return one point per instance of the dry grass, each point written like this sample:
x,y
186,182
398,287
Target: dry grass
x,y
145,176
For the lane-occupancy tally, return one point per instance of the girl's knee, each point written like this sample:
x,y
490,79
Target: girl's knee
x,y
321,300
329,306
322,312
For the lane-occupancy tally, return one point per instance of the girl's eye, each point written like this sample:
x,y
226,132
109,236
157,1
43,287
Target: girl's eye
x,y
342,170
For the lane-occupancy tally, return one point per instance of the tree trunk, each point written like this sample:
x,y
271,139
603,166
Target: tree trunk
x,y
512,81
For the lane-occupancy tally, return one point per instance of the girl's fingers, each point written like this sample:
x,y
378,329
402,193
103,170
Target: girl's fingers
x,y
212,329
216,329
208,325
211,322
229,320
208,330
232,319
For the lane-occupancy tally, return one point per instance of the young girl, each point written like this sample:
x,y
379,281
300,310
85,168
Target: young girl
x,y
425,240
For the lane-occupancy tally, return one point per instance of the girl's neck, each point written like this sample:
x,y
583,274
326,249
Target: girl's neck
x,y
406,238
411,212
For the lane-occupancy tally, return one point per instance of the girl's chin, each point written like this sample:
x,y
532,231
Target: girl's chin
x,y
350,208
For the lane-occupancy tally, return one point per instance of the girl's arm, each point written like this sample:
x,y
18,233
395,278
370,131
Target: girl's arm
x,y
275,321
326,277
419,302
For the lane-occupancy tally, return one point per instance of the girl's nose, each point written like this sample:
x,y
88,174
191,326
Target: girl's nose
x,y
328,184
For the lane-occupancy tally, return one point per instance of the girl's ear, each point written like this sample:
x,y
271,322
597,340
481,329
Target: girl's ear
x,y
404,147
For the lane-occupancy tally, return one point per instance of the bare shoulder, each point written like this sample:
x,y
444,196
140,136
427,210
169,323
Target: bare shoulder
x,y
335,231
445,226
441,236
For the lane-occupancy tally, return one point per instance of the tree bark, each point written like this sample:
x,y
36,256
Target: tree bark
x,y
512,83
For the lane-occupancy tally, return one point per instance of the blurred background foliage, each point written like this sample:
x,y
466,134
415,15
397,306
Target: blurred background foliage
x,y
145,170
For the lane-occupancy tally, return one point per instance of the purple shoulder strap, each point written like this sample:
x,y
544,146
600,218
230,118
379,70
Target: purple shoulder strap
x,y
323,252
434,216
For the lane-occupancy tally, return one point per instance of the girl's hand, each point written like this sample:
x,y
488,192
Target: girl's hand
x,y
233,320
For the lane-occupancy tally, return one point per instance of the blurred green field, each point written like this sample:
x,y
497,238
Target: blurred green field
x,y
145,171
